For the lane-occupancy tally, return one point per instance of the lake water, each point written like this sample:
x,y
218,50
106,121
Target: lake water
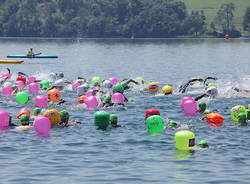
x,y
82,154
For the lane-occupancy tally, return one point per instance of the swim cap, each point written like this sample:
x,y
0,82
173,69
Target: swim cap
x,y
172,124
248,114
151,112
36,111
212,85
81,99
22,112
59,83
113,119
118,88
206,112
203,144
52,76
202,106
96,81
53,115
24,119
101,119
212,91
21,78
236,110
140,80
167,90
45,84
184,140
64,116
107,99
107,84
242,118
61,75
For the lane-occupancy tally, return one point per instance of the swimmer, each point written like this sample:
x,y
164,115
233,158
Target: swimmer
x,y
114,121
242,90
4,78
25,125
203,144
211,92
65,119
172,124
125,83
30,53
36,112
183,88
202,106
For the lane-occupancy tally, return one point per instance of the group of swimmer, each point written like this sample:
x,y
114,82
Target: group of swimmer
x,y
98,93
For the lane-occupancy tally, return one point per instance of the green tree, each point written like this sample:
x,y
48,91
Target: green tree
x,y
224,17
195,23
246,21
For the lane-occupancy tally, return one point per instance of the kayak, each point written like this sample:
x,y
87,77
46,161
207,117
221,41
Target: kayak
x,y
35,56
11,61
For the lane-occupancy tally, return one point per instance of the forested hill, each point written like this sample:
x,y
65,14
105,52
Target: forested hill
x,y
99,18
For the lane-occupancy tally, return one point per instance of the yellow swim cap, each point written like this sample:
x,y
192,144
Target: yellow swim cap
x,y
184,140
53,115
167,90
249,106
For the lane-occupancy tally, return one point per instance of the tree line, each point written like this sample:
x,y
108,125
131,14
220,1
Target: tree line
x,y
109,18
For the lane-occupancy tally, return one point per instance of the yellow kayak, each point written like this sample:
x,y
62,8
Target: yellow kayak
x,y
11,61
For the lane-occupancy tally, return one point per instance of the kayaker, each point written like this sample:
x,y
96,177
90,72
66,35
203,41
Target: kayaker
x,y
30,53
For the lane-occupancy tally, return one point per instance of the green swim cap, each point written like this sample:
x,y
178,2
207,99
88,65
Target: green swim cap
x,y
140,80
118,88
236,110
206,112
36,111
64,116
24,120
172,124
96,81
203,144
61,75
202,106
212,85
113,119
248,114
242,118
107,99
101,119
45,84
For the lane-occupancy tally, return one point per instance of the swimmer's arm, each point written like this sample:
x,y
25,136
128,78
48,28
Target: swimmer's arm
x,y
200,97
68,82
242,90
37,80
207,78
133,81
8,70
4,80
184,87
21,73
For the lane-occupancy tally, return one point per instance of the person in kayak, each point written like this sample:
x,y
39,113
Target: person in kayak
x,y
30,53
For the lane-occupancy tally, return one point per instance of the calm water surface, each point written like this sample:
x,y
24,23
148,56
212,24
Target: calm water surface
x,y
82,154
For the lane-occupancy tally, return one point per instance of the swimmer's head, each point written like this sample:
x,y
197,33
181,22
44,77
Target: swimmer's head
x,y
61,75
172,124
64,116
166,90
24,120
203,144
202,106
206,112
242,118
107,84
113,119
52,76
107,99
118,88
212,91
212,85
151,112
37,111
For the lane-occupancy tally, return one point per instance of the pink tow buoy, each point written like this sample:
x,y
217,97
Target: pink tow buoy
x,y
184,99
117,98
92,102
42,125
33,87
7,90
31,79
190,107
41,101
4,118
75,85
